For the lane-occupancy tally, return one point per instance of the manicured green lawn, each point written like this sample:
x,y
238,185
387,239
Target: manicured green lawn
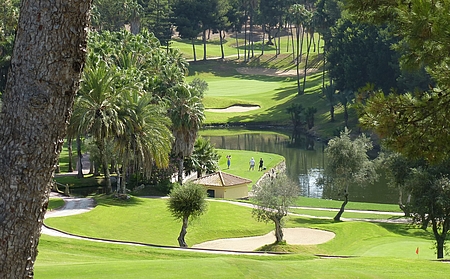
x,y
54,203
272,94
149,221
240,163
65,258
377,250
347,214
323,203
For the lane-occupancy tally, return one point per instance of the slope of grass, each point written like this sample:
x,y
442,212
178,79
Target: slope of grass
x,y
149,221
112,261
240,161
54,203
323,203
272,94
347,214
376,250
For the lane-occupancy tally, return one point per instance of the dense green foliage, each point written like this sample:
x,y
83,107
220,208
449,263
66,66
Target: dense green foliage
x,y
273,198
348,162
186,203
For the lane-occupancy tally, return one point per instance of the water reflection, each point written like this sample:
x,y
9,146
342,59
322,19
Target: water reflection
x,y
305,161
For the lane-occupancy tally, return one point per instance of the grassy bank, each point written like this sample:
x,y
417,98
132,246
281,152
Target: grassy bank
x,y
66,258
375,250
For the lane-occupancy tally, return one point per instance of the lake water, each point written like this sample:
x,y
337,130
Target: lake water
x,y
305,161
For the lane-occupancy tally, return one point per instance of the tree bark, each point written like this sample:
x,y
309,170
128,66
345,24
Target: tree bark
x,y
80,156
332,113
297,60
440,238
204,45
104,158
123,174
309,43
237,45
341,210
69,147
278,231
48,57
346,115
180,169
193,49
221,44
183,232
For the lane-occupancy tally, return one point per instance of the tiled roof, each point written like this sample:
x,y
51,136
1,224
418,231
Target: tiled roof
x,y
221,179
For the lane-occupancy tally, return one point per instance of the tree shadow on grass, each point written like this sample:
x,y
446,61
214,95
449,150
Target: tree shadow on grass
x,y
310,221
407,230
108,201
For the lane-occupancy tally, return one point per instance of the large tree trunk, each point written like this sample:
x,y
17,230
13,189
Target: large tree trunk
x,y
69,147
263,38
332,113
341,210
105,165
80,157
46,65
193,49
204,45
123,174
180,169
402,206
245,38
183,232
278,231
440,238
237,45
309,43
251,46
221,44
135,25
297,60
346,115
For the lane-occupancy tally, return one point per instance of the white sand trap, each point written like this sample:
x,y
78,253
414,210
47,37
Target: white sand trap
x,y
295,236
235,109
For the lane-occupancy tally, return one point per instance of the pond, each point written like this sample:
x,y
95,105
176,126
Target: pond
x,y
305,162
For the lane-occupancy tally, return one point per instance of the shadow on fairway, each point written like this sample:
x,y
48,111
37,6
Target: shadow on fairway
x,y
407,230
308,221
109,201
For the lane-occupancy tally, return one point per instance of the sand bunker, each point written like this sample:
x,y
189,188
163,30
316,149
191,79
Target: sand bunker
x,y
295,236
235,109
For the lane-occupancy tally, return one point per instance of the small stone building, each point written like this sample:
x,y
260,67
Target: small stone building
x,y
224,185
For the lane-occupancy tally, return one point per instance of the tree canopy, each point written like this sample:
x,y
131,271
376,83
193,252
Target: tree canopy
x,y
272,200
414,124
348,162
187,202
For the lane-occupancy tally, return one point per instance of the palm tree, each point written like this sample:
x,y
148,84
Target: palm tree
x,y
96,109
146,137
296,112
204,158
299,15
187,114
309,115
